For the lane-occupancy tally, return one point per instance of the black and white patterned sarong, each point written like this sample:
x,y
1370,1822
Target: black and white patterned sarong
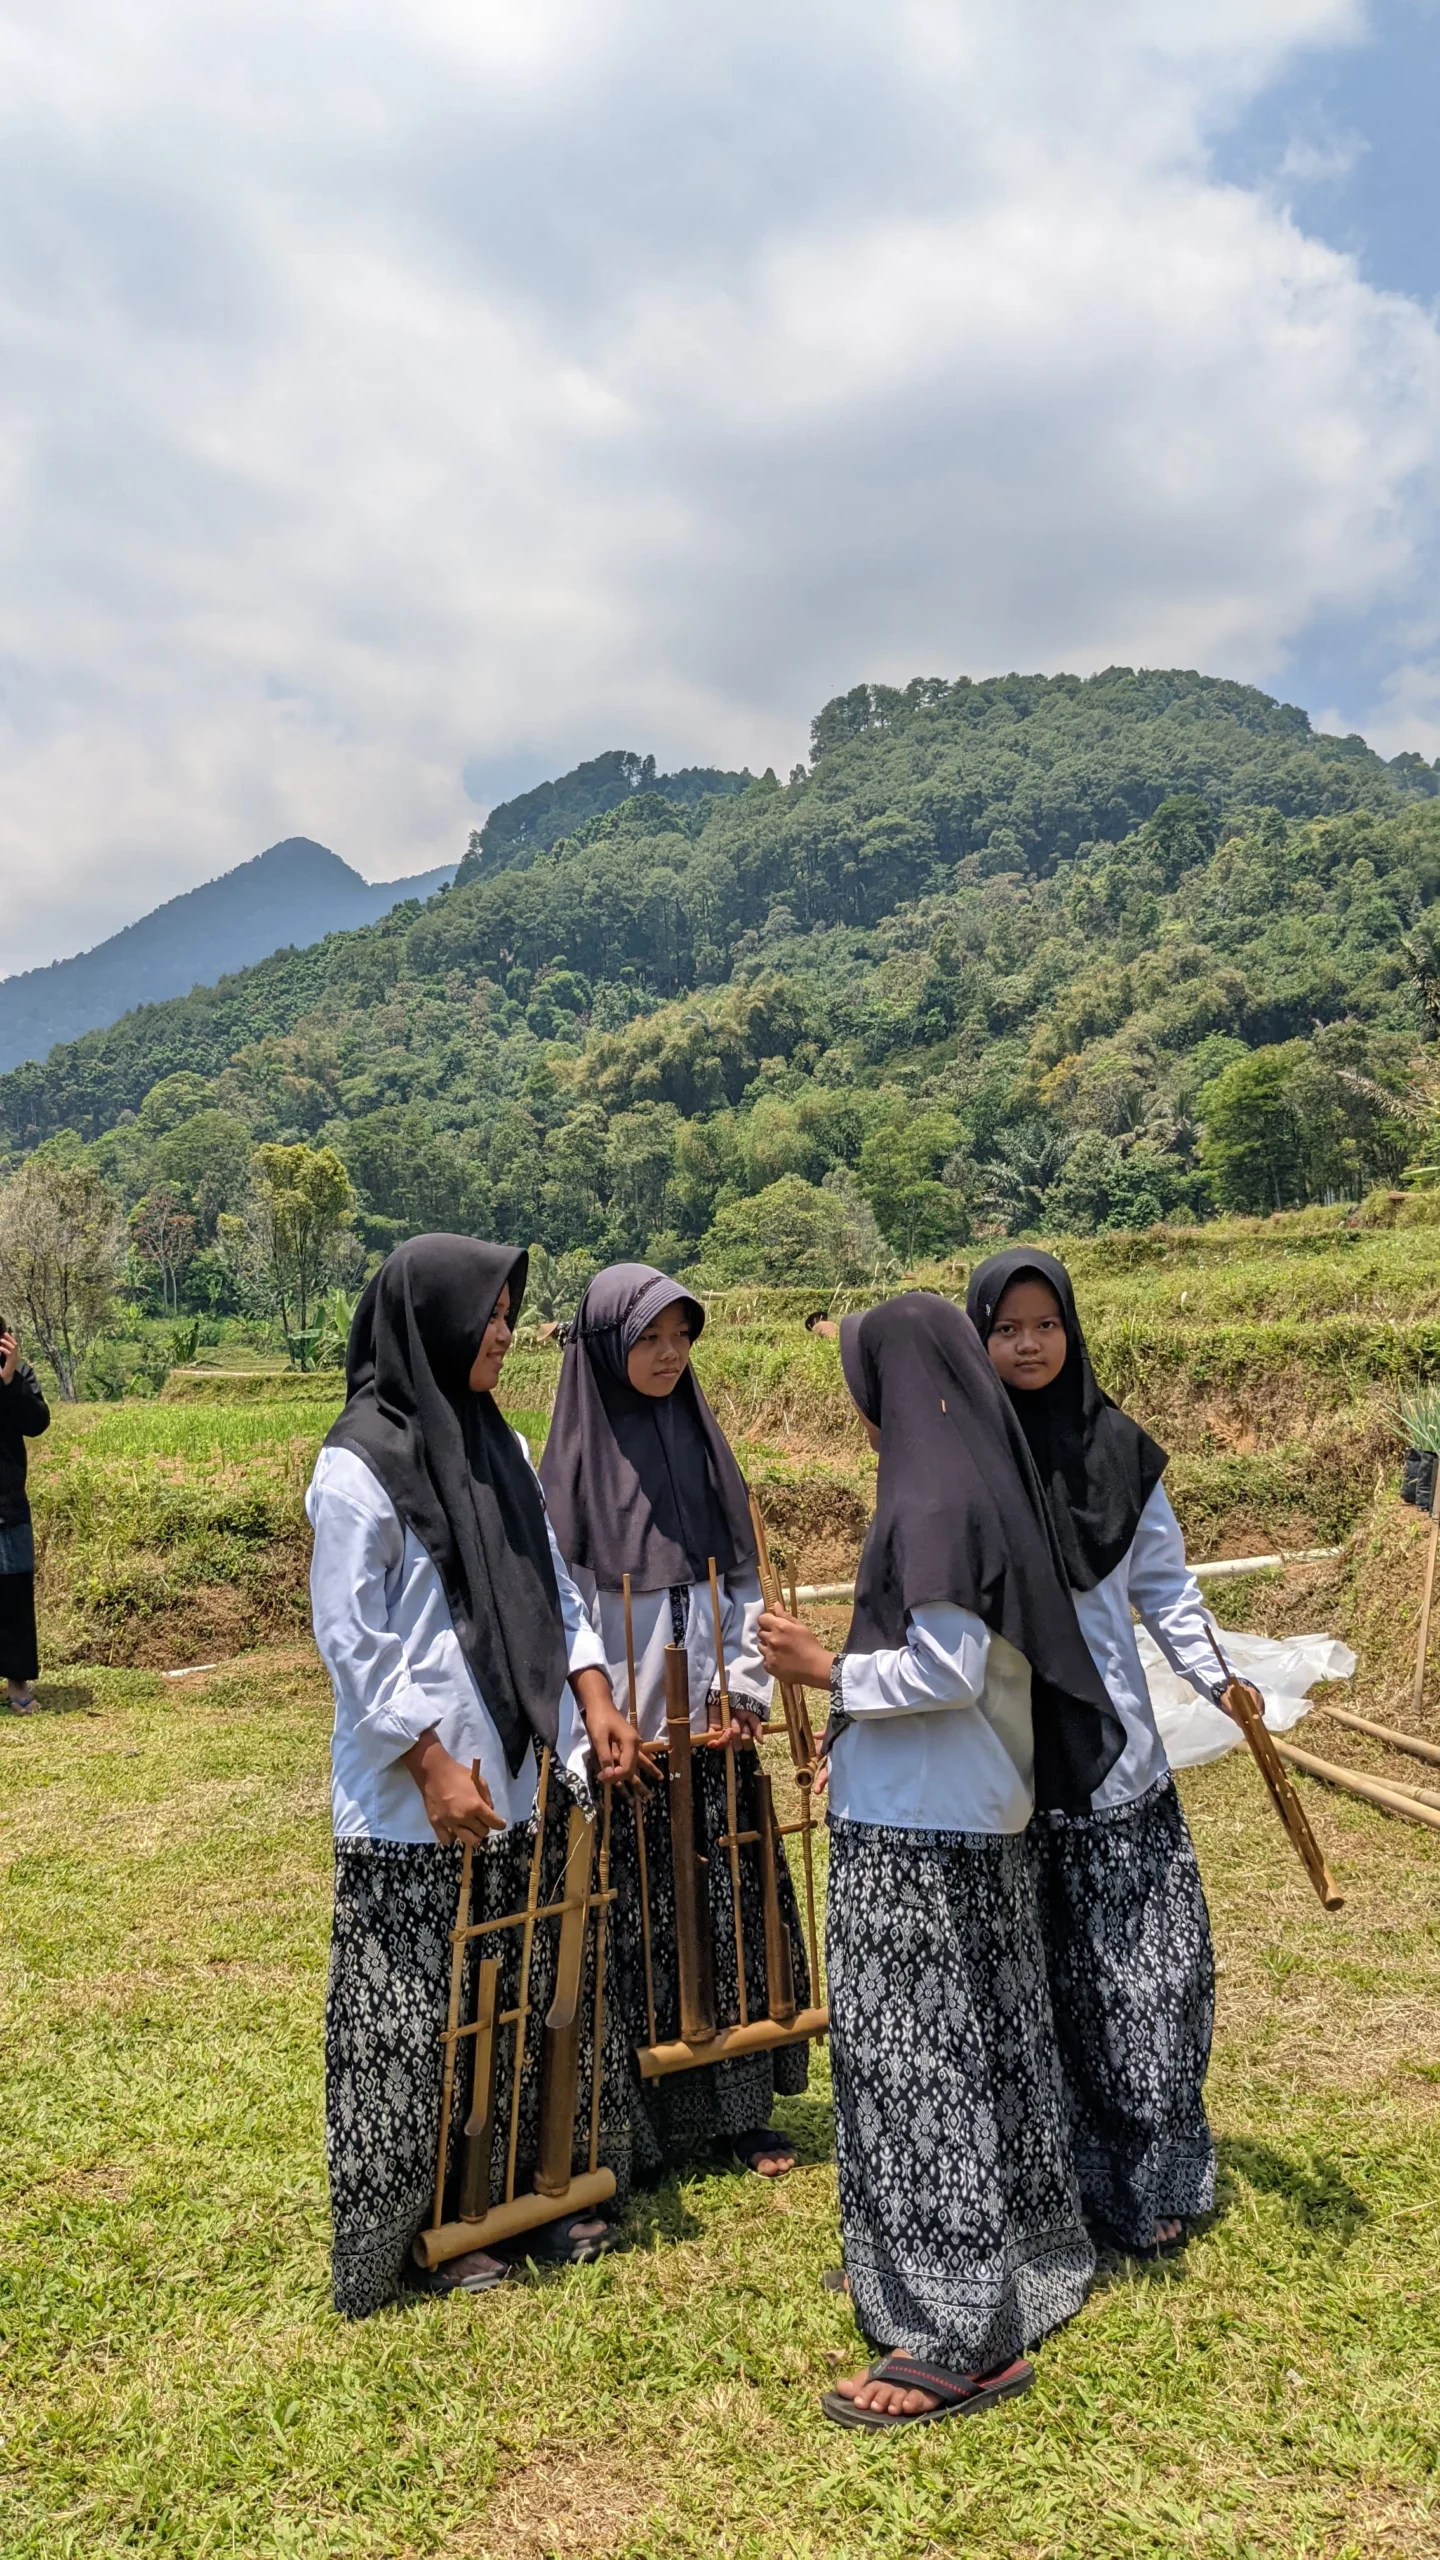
x,y
385,2010
1132,1980
964,2240
689,2110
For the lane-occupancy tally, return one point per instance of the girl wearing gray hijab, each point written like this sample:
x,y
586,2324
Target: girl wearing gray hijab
x,y
640,1480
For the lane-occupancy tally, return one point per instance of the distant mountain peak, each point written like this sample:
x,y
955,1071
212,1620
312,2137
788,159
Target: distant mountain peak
x,y
295,892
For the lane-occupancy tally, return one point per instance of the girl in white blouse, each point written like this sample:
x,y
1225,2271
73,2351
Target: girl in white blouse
x,y
642,1486
455,1642
965,1691
1127,1933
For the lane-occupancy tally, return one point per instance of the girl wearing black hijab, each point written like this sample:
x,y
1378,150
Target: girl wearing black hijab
x,y
640,1480
1127,1934
964,1693
453,1636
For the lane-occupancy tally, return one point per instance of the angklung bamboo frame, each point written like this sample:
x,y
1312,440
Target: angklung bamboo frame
x,y
700,2039
555,2191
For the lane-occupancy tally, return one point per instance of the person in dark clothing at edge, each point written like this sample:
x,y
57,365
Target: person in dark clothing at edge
x,y
24,1414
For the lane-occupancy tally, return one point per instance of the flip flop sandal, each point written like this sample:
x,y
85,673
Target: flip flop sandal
x,y
556,2244
27,1706
1107,2237
835,2280
482,2279
764,2144
961,2395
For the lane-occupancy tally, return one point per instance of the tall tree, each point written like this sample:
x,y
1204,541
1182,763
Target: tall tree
x,y
61,1241
299,1238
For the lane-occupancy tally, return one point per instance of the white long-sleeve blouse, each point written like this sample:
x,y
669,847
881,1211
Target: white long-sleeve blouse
x,y
941,1737
387,1639
653,1620
1152,1581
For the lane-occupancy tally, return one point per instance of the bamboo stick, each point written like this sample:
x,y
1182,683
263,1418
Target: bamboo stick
x,y
503,2221
779,1969
732,1808
641,1854
1246,1705
1422,1647
457,1976
560,2067
527,1940
762,2035
480,2123
1354,1782
1410,1742
693,1956
792,1694
602,1942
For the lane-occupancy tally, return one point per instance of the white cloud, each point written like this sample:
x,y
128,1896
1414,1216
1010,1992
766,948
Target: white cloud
x,y
396,391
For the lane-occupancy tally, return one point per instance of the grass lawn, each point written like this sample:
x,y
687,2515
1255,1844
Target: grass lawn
x,y
172,2379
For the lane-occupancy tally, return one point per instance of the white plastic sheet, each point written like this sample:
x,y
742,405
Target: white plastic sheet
x,y
1283,1669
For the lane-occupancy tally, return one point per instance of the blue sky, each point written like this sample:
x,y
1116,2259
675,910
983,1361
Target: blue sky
x,y
397,405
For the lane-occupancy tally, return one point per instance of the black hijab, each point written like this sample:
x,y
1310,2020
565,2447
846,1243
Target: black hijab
x,y
644,1485
455,1471
959,1517
1098,1467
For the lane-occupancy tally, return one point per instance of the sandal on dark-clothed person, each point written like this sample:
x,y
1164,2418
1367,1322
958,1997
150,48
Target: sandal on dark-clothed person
x,y
1106,2237
566,2244
961,2395
476,2272
764,2144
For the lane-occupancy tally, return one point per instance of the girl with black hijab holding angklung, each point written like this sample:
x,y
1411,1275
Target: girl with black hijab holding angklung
x,y
964,1695
1127,1933
453,1635
640,1480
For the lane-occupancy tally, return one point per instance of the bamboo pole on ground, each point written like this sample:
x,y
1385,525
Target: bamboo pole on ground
x,y
1355,1782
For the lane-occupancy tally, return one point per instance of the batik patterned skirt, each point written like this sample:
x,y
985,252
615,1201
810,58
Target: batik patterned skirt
x,y
963,2235
689,2110
1132,1979
385,2010
19,1649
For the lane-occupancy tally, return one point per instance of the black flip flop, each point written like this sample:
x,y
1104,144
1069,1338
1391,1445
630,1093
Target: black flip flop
x,y
554,2244
835,2280
764,2144
1106,2236
961,2395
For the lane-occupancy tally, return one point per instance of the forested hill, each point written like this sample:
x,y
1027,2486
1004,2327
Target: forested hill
x,y
291,893
993,954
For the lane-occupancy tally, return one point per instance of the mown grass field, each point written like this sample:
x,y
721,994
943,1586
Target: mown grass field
x,y
171,2377
175,2382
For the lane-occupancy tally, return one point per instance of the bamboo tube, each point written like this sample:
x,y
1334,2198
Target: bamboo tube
x,y
1410,1742
1354,1782
693,1961
602,1942
560,2068
503,2221
457,1976
732,1807
480,2123
527,1940
762,2035
779,1970
1246,1705
641,1857
792,1694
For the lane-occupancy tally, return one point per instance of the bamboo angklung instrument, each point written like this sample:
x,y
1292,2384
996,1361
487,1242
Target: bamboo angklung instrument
x,y
802,1741
694,1963
1246,1705
560,2070
732,1808
479,2222
638,1801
